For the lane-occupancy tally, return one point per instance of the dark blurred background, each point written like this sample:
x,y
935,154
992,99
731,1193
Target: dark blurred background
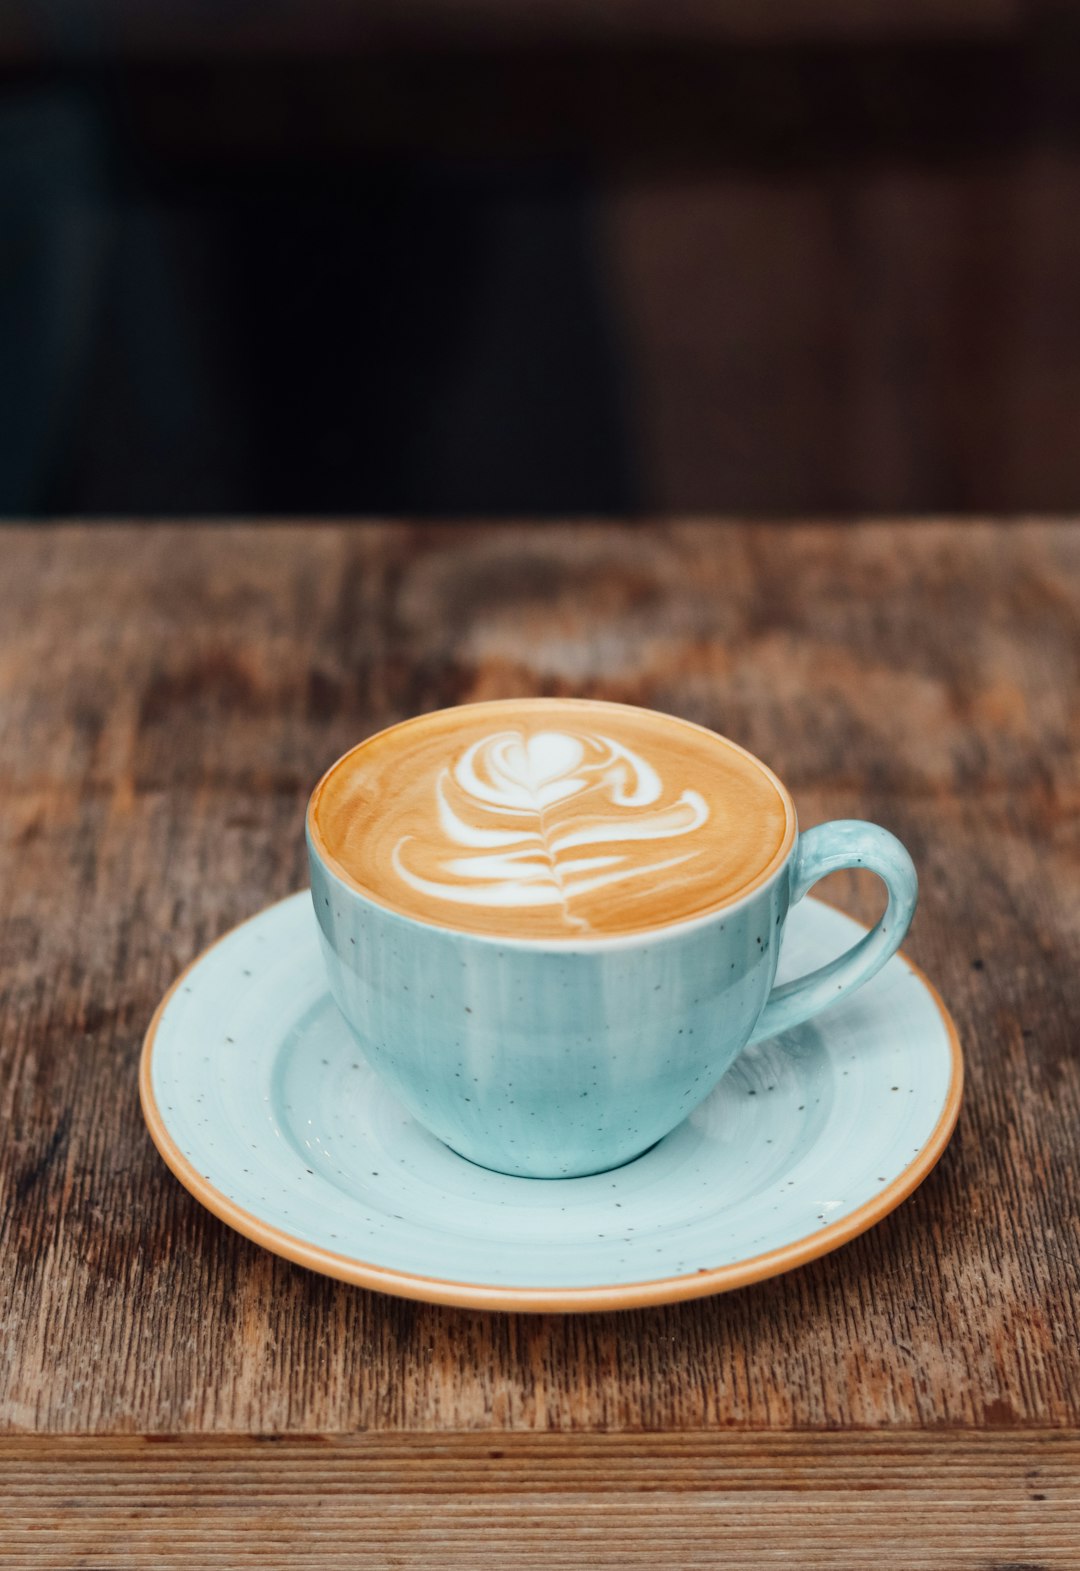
x,y
477,257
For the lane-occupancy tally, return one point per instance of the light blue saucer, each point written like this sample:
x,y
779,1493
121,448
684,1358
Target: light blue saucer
x,y
260,1103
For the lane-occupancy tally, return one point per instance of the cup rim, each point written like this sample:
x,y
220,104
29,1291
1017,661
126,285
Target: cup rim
x,y
572,944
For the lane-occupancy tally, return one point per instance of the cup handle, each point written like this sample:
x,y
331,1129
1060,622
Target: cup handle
x,y
846,842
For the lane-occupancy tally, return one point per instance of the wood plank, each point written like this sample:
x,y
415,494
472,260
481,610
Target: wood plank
x,y
816,1501
854,334
168,697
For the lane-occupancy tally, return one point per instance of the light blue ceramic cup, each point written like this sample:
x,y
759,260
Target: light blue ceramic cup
x,y
554,1059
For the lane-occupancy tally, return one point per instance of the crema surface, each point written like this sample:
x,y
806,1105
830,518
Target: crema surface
x,y
551,819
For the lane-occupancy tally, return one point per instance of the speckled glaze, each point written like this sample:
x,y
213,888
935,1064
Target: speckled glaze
x,y
556,1059
258,1100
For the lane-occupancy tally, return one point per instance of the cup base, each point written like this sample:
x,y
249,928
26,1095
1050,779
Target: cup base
x,y
554,1177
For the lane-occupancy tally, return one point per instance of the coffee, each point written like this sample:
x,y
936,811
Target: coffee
x,y
551,819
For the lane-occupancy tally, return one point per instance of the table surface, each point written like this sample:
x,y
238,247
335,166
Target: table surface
x,y
170,695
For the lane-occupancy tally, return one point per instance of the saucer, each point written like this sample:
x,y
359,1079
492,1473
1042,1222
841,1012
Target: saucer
x,y
261,1103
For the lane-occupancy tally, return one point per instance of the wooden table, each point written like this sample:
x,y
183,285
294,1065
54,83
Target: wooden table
x,y
170,1395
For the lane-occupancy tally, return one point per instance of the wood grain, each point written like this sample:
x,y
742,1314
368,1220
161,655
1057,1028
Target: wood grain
x,y
169,696
987,1503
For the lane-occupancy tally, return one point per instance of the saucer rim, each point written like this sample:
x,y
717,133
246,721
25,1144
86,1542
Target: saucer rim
x,y
602,1297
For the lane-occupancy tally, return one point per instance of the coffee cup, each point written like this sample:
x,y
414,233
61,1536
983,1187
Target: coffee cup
x,y
553,924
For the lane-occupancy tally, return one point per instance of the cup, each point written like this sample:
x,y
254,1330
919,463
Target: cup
x,y
556,1058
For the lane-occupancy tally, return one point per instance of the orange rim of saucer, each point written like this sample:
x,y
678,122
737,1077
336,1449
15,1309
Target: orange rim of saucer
x,y
480,1295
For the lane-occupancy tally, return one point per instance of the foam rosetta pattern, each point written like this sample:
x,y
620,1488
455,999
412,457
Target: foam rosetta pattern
x,y
550,818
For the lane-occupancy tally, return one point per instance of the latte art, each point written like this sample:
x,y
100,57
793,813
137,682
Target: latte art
x,y
525,820
550,818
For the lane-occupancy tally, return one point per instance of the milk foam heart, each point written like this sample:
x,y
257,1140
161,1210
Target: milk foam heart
x,y
551,819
